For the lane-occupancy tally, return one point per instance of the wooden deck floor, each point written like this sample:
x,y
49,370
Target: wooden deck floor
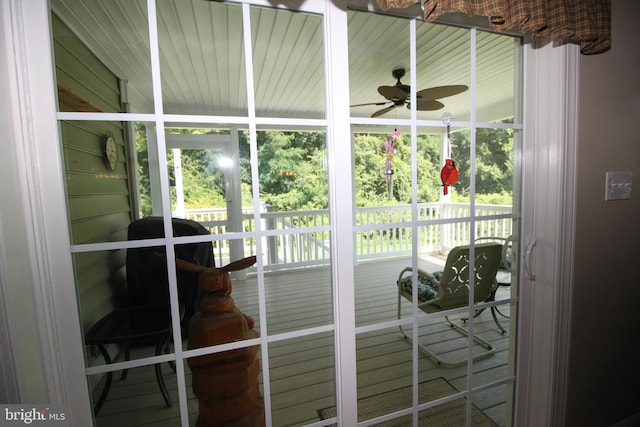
x,y
301,371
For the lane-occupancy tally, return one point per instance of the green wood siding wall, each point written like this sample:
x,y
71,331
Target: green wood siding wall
x,y
98,197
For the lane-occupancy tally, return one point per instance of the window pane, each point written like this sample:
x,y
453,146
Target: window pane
x,y
288,63
302,378
97,161
201,58
383,214
491,403
443,71
137,399
210,182
497,85
100,291
494,158
292,168
384,374
101,53
225,387
378,45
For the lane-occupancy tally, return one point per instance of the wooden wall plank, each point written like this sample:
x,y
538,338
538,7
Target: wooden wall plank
x,y
89,207
79,70
98,197
105,228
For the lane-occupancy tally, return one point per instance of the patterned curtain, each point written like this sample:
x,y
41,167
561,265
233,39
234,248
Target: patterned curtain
x,y
587,22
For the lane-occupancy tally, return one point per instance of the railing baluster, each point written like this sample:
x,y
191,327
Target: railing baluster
x,y
304,247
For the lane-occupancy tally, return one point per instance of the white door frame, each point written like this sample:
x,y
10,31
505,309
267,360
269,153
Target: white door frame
x,y
548,223
37,281
37,275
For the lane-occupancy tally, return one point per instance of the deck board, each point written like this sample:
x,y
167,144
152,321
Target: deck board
x,y
302,370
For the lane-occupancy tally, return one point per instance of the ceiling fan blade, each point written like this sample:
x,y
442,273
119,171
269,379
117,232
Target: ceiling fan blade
x,y
369,103
428,105
440,92
393,93
383,111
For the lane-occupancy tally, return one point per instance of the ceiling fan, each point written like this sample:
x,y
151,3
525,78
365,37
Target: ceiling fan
x,y
399,94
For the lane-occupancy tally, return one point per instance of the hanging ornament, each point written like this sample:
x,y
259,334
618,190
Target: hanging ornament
x,y
449,173
391,151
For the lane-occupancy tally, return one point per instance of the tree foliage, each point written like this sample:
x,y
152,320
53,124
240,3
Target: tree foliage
x,y
371,183
292,170
493,163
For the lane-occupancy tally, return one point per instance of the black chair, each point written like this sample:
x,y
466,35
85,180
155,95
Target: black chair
x,y
147,282
146,320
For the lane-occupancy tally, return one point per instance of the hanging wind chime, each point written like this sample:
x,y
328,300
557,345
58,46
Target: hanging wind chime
x,y
391,151
449,173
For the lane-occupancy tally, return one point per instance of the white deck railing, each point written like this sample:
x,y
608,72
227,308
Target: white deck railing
x,y
300,238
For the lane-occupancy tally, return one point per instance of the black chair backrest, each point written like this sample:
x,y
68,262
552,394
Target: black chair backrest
x,y
147,282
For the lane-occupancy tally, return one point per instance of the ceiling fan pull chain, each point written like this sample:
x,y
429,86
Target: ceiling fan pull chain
x,y
446,119
448,141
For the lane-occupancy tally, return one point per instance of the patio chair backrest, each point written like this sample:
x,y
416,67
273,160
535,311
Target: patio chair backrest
x,y
454,283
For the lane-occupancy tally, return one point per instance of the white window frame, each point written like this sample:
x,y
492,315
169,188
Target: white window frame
x,y
37,281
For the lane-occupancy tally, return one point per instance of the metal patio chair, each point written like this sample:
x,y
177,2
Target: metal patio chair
x,y
450,289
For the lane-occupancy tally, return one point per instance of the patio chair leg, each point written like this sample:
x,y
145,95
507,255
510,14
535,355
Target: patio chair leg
x,y
422,349
495,319
440,361
493,314
107,384
127,355
486,344
476,314
167,350
500,313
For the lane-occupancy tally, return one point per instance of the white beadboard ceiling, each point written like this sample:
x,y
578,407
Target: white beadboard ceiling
x,y
203,65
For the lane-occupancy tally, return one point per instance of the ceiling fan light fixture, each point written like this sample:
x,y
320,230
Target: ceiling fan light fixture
x,y
446,118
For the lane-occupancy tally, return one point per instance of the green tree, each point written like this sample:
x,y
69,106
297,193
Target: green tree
x,y
144,186
203,181
428,151
493,158
293,173
369,161
291,169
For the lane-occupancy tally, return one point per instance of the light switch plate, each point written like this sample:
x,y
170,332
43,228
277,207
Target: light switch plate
x,y
618,185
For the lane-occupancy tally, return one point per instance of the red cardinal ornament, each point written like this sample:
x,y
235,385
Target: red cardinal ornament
x,y
448,175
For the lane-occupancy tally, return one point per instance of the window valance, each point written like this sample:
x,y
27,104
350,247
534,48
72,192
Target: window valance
x,y
587,22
